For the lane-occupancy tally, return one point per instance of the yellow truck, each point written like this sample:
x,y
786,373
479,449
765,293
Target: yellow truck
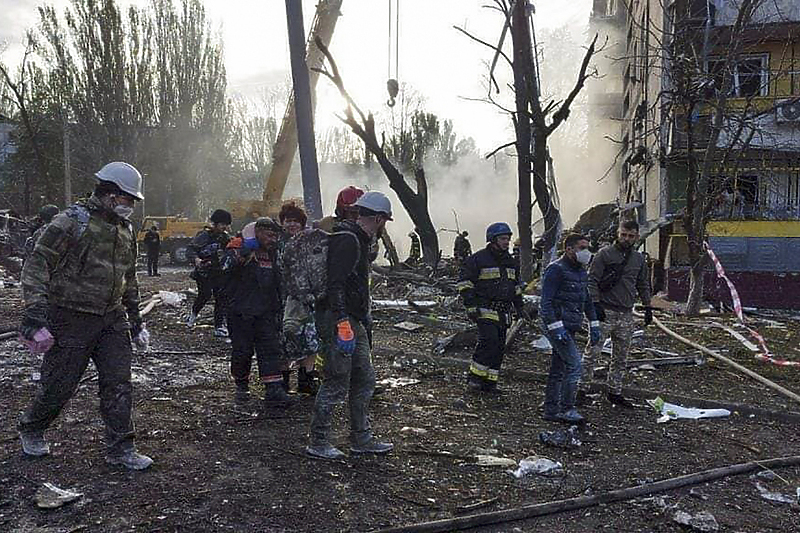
x,y
176,233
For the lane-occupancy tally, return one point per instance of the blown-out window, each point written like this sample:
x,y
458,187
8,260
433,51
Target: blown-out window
x,y
749,75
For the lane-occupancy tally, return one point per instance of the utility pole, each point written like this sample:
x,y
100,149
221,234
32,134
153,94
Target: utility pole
x,y
304,110
67,172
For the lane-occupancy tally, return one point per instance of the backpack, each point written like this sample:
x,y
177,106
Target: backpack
x,y
305,264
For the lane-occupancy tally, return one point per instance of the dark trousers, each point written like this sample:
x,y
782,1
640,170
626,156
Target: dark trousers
x,y
78,338
489,351
152,263
342,376
259,334
208,287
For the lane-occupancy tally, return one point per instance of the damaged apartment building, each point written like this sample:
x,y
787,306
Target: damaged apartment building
x,y
752,202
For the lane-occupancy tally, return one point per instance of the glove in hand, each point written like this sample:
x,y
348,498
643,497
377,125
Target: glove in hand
x,y
38,341
345,338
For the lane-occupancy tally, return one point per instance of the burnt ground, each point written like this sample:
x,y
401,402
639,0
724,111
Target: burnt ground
x,y
222,468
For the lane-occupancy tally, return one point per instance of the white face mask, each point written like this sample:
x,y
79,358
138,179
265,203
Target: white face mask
x,y
123,211
583,257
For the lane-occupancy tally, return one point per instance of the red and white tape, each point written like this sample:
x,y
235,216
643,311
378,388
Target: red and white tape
x,y
737,308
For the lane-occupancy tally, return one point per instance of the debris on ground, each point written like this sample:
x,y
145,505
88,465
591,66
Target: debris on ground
x,y
408,326
534,465
702,521
669,411
492,460
776,496
561,438
50,496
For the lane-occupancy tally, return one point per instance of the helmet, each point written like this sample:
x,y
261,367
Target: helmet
x,y
220,216
346,198
124,176
376,201
497,229
47,212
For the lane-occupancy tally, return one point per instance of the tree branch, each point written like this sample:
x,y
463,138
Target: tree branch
x,y
563,111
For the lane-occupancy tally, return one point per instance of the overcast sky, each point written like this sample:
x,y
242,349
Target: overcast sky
x,y
435,59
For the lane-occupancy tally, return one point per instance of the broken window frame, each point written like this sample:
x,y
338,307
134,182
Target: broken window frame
x,y
763,73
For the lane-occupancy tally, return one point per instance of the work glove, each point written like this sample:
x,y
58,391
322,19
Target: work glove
x,y
345,338
33,329
594,334
473,313
601,313
648,316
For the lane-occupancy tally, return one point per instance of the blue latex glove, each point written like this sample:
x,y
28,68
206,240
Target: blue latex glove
x,y
561,334
345,338
594,335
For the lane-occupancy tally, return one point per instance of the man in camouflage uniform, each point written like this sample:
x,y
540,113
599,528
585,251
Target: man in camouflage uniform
x,y
618,272
46,214
82,302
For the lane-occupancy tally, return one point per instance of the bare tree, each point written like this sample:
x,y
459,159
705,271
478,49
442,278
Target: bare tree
x,y
414,202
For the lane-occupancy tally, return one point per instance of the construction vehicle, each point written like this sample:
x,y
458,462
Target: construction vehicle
x,y
176,233
285,148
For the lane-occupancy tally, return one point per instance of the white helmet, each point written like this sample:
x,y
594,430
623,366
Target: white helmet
x,y
376,201
124,176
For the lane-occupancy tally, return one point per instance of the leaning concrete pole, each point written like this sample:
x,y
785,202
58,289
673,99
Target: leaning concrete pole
x,y
304,110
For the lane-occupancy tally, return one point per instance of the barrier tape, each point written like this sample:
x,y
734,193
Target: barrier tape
x,y
737,308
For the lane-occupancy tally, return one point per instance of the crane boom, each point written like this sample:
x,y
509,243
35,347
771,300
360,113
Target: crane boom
x,y
286,143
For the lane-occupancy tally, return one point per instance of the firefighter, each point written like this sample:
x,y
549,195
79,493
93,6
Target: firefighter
x,y
208,247
490,287
152,241
46,214
82,302
345,328
565,299
255,311
462,248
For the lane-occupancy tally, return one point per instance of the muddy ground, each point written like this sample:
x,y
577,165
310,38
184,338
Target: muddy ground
x,y
225,468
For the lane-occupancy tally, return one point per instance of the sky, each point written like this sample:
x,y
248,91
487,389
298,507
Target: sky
x,y
434,59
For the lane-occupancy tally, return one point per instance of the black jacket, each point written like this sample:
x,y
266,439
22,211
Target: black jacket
x,y
348,272
253,284
209,247
152,241
490,280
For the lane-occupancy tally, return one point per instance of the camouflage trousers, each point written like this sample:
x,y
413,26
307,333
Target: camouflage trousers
x,y
619,326
78,338
343,375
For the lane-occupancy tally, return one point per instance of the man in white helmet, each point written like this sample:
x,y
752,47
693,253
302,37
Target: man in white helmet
x,y
344,325
82,302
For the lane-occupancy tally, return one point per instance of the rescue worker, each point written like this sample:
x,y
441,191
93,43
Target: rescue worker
x,y
152,242
208,246
46,214
344,210
565,299
490,287
618,273
293,219
462,248
82,302
416,251
345,329
255,312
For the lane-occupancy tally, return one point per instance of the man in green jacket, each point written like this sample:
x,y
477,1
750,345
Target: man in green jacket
x,y
82,302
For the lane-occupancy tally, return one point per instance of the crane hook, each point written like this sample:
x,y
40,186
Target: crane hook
x,y
394,88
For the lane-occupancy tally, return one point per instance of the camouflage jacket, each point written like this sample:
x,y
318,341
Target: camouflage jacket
x,y
85,260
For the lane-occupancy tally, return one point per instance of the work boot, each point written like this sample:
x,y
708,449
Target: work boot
x,y
34,445
324,451
571,416
490,387
474,383
373,446
130,459
551,417
191,319
276,396
242,394
221,332
618,400
307,382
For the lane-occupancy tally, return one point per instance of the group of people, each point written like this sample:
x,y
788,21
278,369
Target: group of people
x,y
577,289
82,302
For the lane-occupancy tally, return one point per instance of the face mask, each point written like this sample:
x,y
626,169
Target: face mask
x,y
583,257
123,211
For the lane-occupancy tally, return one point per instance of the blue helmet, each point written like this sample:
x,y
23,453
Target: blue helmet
x,y
497,229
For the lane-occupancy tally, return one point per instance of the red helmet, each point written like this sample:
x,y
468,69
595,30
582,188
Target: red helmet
x,y
346,198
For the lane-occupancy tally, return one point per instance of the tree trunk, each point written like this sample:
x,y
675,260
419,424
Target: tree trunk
x,y
696,284
523,61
